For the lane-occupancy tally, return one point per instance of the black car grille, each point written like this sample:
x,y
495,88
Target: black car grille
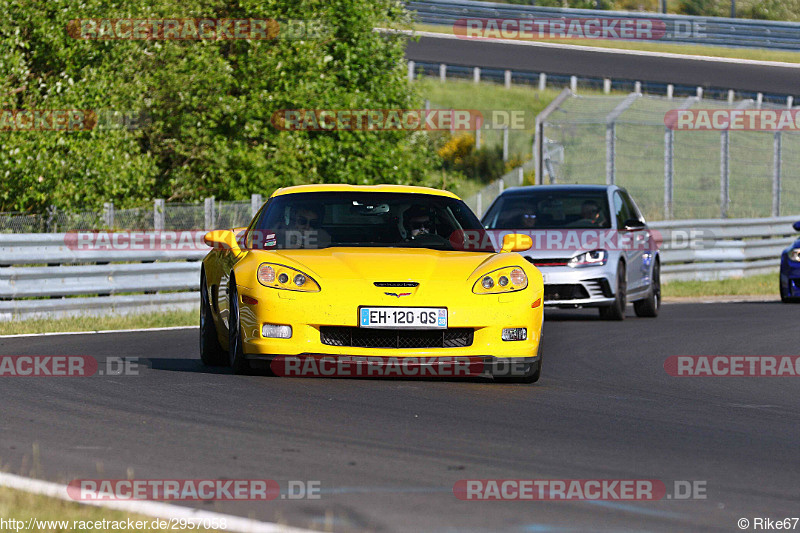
x,y
549,261
565,292
396,338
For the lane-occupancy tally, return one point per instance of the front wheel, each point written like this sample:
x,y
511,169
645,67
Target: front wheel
x,y
616,311
211,351
649,306
235,349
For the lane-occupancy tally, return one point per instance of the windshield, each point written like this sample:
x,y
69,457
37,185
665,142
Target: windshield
x,y
549,209
365,219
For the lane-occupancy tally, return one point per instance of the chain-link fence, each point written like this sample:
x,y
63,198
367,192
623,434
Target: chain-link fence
x,y
671,172
211,214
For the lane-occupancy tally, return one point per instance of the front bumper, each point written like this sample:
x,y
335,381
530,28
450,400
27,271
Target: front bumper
x,y
790,278
578,287
308,313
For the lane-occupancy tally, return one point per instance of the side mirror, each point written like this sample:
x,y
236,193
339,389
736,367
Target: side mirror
x,y
222,239
796,225
516,242
633,224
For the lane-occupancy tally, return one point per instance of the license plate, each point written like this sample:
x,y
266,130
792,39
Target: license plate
x,y
402,317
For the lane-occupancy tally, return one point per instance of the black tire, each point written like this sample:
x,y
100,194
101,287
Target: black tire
x,y
649,306
785,299
235,350
616,311
211,351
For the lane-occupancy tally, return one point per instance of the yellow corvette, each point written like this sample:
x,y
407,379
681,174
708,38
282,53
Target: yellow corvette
x,y
385,272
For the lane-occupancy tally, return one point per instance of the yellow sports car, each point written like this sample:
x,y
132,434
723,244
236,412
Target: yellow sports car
x,y
380,273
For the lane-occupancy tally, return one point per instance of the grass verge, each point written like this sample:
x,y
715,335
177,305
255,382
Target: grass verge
x,y
652,46
22,506
760,285
102,323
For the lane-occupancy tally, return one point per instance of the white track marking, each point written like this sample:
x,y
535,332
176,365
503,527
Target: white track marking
x,y
147,508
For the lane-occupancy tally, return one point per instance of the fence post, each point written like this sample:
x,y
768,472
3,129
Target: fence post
x,y
724,173
442,72
505,143
500,186
669,171
611,134
606,86
759,100
730,96
789,101
158,214
476,74
108,214
670,91
776,174
255,203
521,176
209,213
637,87
573,84
410,71
699,92
542,81
507,79
478,125
480,203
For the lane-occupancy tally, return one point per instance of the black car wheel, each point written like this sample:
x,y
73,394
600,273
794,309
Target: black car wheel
x,y
235,350
650,305
211,351
616,311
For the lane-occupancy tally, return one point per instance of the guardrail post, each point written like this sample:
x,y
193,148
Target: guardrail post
x,y
789,101
542,81
507,79
476,74
730,96
209,213
108,215
479,206
724,173
521,176
669,171
505,143
573,84
478,125
500,186
255,203
158,214
759,100
606,86
442,72
670,91
637,87
410,71
699,92
776,174
611,136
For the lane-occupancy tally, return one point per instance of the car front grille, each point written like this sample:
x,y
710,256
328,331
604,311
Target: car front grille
x,y
549,261
396,338
565,292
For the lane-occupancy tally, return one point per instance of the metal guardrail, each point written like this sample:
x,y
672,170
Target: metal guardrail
x,y
692,249
743,33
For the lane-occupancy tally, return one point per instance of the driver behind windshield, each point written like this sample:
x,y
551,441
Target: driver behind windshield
x,y
417,221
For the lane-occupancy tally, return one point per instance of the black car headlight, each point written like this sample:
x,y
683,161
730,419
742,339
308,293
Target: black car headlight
x,y
587,259
282,277
508,279
794,255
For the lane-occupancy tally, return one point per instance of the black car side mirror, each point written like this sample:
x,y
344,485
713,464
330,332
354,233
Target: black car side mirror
x,y
634,224
796,225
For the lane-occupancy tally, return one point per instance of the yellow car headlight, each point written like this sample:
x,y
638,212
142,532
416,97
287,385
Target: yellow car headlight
x,y
278,276
508,279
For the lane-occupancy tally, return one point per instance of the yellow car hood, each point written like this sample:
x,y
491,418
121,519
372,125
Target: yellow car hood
x,y
381,264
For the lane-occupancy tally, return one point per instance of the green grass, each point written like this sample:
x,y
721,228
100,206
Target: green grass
x,y
653,46
760,285
92,323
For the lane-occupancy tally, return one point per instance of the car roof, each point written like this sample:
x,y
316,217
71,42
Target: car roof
x,y
539,188
344,187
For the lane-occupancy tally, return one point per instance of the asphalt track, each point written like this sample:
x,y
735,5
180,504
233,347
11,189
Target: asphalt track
x,y
388,452
601,63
